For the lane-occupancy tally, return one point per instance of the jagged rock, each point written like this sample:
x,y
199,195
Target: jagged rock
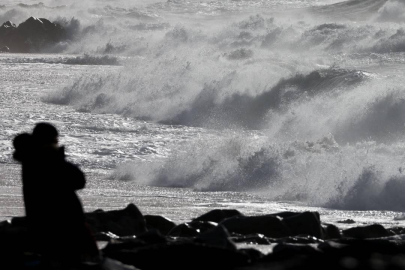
x,y
162,224
191,229
218,215
8,24
7,28
32,35
128,221
371,231
181,256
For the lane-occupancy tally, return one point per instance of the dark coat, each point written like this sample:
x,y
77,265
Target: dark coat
x,y
49,185
55,216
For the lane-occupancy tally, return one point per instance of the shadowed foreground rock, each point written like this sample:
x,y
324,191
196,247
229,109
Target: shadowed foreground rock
x,y
128,221
222,239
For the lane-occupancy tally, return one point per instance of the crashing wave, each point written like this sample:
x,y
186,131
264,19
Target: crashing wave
x,y
207,107
320,173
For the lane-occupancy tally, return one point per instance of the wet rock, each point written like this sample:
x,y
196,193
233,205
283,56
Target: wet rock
x,y
267,225
105,236
191,229
371,231
277,225
307,223
299,240
162,224
183,230
149,238
258,239
397,231
128,221
253,254
218,215
181,256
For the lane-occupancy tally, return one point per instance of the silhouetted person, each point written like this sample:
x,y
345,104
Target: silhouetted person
x,y
54,212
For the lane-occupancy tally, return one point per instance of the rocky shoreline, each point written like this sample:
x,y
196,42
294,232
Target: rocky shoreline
x,y
224,239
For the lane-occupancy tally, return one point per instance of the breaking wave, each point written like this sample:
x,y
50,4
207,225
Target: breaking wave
x,y
213,105
304,107
362,177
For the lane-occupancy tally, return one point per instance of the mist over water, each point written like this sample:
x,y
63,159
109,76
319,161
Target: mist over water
x,y
304,104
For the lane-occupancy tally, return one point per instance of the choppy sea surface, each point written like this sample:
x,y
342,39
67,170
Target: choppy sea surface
x,y
261,105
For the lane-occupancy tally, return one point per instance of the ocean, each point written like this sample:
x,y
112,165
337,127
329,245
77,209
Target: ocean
x,y
260,105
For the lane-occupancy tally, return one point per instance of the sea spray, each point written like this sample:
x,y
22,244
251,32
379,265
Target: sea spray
x,y
305,108
320,173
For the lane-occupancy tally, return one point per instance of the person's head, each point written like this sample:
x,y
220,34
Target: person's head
x,y
45,134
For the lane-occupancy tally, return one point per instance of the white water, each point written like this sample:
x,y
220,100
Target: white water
x,y
298,101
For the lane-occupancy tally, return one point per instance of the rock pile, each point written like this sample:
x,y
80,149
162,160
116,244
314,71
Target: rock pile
x,y
227,239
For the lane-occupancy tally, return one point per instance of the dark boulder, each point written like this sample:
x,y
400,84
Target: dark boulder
x,y
191,229
181,256
291,250
331,232
105,236
308,223
128,221
218,215
162,224
217,236
277,225
149,238
257,239
268,225
183,230
302,239
371,231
